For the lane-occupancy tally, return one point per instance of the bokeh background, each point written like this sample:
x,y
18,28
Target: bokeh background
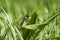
x,y
17,9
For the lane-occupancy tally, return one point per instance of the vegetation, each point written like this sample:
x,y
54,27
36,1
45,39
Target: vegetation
x,y
29,19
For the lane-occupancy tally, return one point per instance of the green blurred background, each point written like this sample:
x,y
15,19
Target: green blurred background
x,y
16,11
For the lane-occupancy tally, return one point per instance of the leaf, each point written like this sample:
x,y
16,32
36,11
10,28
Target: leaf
x,y
39,26
33,17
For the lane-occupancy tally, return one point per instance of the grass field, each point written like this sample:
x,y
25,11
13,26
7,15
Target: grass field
x,y
29,19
